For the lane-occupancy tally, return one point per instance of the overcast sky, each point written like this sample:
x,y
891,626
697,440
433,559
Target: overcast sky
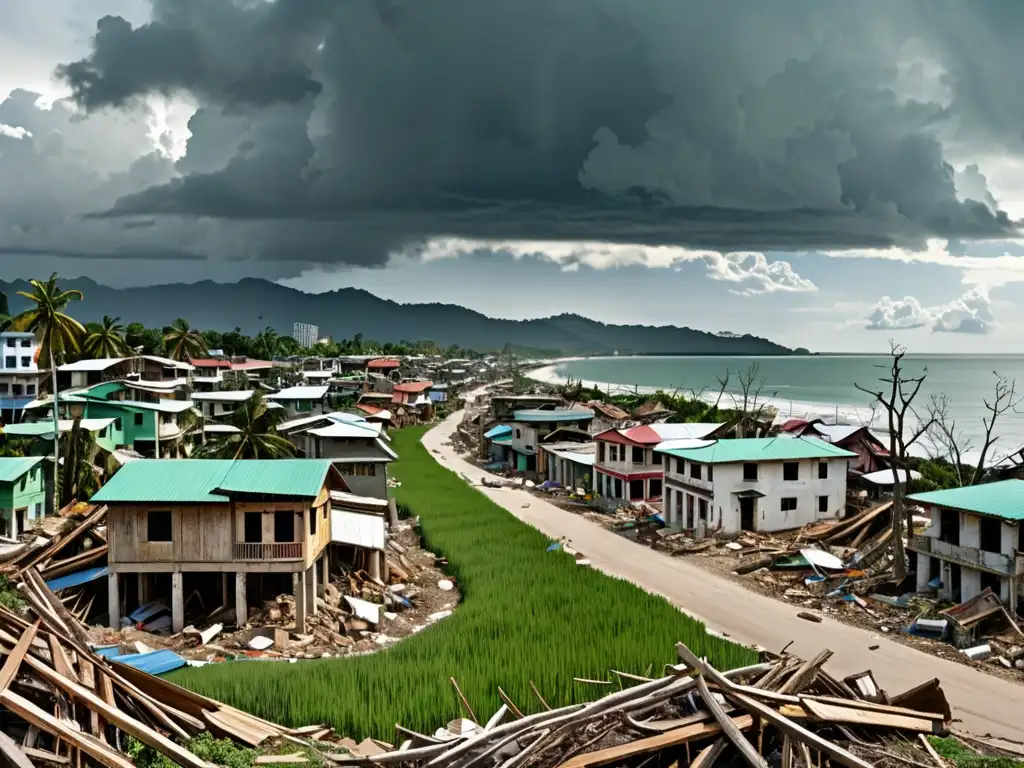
x,y
825,173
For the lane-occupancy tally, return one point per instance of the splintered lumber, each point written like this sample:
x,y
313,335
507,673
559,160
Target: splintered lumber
x,y
60,542
13,662
806,674
12,752
851,524
729,728
654,743
834,713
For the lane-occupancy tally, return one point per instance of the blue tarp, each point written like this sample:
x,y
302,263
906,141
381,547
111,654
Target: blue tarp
x,y
153,663
77,579
498,431
438,397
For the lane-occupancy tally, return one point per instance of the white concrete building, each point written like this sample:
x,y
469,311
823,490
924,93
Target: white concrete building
x,y
755,484
305,334
975,540
221,405
19,373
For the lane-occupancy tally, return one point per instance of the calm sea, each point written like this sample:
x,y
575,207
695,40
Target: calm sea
x,y
819,385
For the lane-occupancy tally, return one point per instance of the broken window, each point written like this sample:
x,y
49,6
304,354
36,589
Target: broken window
x,y
636,489
949,526
312,522
791,470
138,419
823,503
656,458
695,470
680,467
711,473
788,503
655,488
158,525
600,453
750,471
822,470
284,527
638,455
990,534
702,509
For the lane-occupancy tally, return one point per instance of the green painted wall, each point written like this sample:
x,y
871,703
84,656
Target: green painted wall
x,y
28,492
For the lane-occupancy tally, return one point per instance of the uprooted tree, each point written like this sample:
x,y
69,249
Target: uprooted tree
x,y
896,397
953,445
750,401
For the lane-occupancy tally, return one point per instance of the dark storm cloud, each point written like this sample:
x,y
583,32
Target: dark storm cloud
x,y
135,254
343,130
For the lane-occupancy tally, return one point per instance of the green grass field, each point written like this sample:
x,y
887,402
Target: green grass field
x,y
527,614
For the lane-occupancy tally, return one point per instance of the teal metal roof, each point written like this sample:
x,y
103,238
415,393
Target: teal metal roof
x,y
13,467
555,414
501,430
1004,499
761,449
183,481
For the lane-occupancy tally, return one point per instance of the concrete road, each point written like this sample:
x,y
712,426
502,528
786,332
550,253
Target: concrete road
x,y
985,704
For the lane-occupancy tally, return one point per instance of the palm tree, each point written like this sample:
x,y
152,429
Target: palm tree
x,y
106,339
77,474
59,334
257,437
5,313
267,341
181,341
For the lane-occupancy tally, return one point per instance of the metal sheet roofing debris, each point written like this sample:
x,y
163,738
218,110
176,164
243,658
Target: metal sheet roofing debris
x,y
498,431
553,415
226,396
155,386
210,480
884,476
822,559
340,429
78,578
343,497
761,449
573,456
1004,499
386,448
364,610
412,387
312,392
179,364
13,467
356,529
153,663
221,429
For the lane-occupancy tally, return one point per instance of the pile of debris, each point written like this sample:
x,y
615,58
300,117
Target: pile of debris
x,y
784,711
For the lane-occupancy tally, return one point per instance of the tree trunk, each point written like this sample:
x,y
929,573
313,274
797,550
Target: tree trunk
x,y
69,486
56,430
899,562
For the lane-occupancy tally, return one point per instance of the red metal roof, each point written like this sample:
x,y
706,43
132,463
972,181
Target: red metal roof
x,y
793,425
210,363
643,435
370,409
413,387
384,363
251,364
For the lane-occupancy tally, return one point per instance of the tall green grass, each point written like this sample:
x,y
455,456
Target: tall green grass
x,y
526,614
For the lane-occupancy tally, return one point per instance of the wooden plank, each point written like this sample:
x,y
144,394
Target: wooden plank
x,y
74,563
29,712
10,668
707,756
654,743
295,758
729,730
12,753
47,757
117,718
806,674
871,706
61,662
831,713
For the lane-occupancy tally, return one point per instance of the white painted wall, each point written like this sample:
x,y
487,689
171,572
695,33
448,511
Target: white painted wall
x,y
724,513
523,435
624,459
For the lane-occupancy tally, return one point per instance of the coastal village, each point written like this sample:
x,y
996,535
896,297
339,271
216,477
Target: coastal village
x,y
180,514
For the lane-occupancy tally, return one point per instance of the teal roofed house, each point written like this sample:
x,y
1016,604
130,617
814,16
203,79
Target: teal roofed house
x,y
754,484
531,425
975,541
22,492
237,532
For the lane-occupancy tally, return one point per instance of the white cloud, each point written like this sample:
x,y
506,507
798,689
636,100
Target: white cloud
x,y
751,270
12,132
971,313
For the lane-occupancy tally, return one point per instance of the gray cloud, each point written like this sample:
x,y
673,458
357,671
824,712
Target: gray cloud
x,y
339,132
970,313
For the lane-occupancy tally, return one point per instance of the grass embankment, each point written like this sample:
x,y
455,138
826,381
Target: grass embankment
x,y
527,614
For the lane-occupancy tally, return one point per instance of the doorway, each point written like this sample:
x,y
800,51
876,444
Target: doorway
x,y
19,520
748,515
284,527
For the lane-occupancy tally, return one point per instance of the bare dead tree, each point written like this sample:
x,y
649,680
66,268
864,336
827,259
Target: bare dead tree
x,y
751,401
954,444
896,398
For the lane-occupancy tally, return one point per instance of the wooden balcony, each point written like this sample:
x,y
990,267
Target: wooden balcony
x,y
972,557
266,552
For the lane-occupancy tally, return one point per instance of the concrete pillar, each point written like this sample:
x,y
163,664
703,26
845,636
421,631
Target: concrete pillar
x,y
374,564
225,589
177,603
923,569
143,588
1011,603
241,600
114,601
299,590
325,574
311,590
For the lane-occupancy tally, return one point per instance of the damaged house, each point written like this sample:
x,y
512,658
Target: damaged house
x,y
358,448
229,532
975,541
22,493
872,455
529,427
753,484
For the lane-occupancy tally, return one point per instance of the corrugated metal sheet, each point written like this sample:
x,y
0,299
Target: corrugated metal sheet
x,y
153,663
559,415
100,364
300,393
357,530
206,480
1003,499
498,431
761,449
231,396
77,579
13,467
412,387
45,427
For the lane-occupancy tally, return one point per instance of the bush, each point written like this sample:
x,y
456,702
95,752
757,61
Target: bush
x,y
528,615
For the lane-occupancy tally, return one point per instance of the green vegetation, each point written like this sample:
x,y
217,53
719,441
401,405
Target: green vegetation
x,y
257,437
204,746
527,614
962,756
9,597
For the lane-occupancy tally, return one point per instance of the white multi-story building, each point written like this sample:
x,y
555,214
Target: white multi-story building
x,y
307,335
19,373
754,484
975,540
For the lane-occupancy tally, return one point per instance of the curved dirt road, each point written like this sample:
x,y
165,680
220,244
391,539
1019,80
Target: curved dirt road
x,y
985,704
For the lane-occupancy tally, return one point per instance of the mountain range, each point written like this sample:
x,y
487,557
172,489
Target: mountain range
x,y
252,304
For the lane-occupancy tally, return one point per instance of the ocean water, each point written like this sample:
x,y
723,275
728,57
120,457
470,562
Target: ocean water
x,y
820,385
